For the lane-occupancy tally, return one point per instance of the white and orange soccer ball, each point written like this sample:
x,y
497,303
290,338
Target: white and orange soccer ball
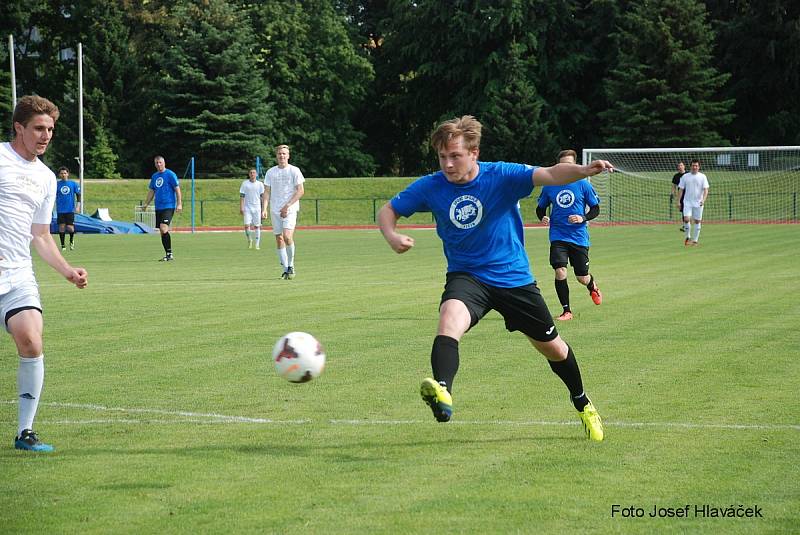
x,y
298,357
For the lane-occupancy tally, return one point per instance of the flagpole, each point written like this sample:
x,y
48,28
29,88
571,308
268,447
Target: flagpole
x,y
80,126
13,72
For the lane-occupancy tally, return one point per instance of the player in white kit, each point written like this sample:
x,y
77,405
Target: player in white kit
x,y
694,188
252,207
27,196
284,183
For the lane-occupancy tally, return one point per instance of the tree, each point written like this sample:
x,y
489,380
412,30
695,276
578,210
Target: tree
x,y
476,58
317,80
663,88
759,44
101,161
209,102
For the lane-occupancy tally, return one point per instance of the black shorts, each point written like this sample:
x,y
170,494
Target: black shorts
x,y
522,308
67,218
164,217
577,255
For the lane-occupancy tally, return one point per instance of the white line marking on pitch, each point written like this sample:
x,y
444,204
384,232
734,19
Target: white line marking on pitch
x,y
214,418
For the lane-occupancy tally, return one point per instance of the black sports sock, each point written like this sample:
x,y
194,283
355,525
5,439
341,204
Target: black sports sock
x,y
61,236
71,238
562,289
569,372
590,286
444,360
166,241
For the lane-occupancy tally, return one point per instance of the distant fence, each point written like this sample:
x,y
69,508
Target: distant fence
x,y
620,208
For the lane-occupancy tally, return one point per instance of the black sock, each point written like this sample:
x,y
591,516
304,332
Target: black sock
x,y
166,241
71,238
444,360
568,371
61,235
590,286
562,289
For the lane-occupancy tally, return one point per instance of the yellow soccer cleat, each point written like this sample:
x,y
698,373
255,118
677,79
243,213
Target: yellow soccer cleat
x,y
592,423
438,399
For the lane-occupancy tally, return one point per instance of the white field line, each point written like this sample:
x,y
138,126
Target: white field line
x,y
214,418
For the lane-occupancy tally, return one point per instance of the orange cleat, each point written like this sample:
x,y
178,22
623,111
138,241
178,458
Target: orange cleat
x,y
597,296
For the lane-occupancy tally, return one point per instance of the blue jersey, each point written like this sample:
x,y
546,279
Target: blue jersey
x,y
164,185
479,222
65,196
569,199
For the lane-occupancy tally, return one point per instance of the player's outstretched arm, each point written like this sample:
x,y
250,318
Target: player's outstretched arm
x,y
387,222
43,243
564,173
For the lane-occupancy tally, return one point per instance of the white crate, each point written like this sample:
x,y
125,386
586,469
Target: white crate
x,y
146,216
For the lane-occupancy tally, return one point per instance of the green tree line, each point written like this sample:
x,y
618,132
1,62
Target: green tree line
x,y
355,87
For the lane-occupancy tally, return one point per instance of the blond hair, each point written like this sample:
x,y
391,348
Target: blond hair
x,y
31,105
279,147
466,127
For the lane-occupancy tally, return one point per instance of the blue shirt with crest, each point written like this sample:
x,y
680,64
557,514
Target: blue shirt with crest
x,y
164,184
569,199
65,196
479,222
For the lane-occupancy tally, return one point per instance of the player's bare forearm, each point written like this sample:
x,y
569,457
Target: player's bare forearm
x,y
565,173
43,242
387,223
150,194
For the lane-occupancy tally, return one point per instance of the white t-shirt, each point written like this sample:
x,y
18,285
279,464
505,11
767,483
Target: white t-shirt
x,y
252,192
693,186
27,196
282,184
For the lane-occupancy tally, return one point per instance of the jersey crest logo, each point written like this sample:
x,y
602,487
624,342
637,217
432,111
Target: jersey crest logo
x,y
159,182
565,198
64,190
466,212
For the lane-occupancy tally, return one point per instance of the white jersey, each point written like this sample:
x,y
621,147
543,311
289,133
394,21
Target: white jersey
x,y
693,186
252,192
27,196
282,184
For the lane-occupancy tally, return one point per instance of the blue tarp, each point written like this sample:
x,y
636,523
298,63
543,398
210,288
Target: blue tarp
x,y
90,225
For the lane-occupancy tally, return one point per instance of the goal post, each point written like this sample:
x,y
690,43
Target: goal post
x,y
746,184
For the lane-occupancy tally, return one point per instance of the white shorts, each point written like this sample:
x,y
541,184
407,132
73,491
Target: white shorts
x,y
18,289
252,216
279,224
695,212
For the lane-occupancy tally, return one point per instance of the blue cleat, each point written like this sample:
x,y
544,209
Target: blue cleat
x,y
28,441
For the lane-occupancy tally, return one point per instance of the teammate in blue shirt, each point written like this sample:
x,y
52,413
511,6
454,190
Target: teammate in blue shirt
x,y
165,188
477,218
66,195
572,206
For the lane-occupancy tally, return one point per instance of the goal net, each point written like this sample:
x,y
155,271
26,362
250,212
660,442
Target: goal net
x,y
746,184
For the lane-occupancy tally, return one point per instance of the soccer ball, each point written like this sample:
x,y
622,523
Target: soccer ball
x,y
298,357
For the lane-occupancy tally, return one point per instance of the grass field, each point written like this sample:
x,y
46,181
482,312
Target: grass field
x,y
167,416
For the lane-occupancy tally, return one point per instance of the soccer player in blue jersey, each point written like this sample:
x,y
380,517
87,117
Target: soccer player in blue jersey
x,y
478,220
164,186
66,195
572,206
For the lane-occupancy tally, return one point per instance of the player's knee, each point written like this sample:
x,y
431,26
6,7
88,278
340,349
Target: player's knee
x,y
561,273
454,319
555,350
583,279
28,341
